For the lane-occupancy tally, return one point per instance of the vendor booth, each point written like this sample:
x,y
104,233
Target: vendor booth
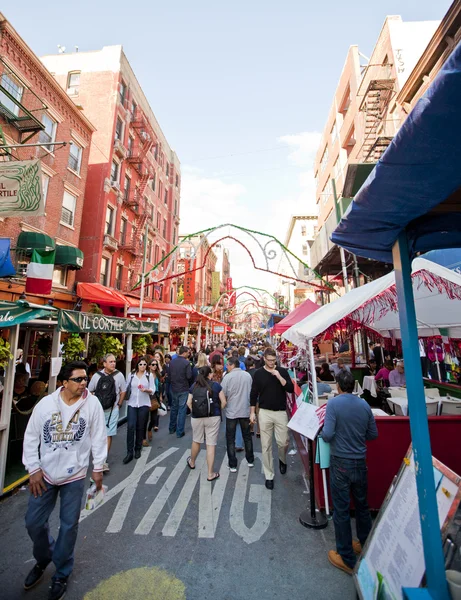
x,y
411,204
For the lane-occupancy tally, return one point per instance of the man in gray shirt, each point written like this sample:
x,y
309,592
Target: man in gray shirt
x,y
236,386
349,424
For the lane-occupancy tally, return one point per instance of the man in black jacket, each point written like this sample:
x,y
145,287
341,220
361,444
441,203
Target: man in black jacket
x,y
269,389
180,381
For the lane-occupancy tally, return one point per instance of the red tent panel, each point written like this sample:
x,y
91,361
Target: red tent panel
x,y
296,315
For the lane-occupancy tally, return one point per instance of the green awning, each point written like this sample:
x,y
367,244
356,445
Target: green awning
x,y
31,240
69,256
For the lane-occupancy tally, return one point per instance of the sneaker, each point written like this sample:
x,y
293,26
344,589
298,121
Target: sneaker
x,y
34,577
105,468
338,562
356,547
251,465
58,589
233,469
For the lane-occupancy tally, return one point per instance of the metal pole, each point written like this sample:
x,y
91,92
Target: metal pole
x,y
129,355
5,414
143,277
199,336
427,501
313,373
55,347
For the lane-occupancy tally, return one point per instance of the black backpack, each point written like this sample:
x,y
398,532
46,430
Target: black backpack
x,y
201,402
106,389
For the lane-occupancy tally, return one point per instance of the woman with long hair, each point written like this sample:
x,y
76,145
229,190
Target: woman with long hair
x,y
206,401
138,392
325,374
154,368
202,360
217,368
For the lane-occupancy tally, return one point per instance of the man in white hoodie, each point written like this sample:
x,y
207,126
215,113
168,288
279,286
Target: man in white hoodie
x,y
63,429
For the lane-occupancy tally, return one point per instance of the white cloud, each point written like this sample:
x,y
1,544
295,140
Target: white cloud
x,y
303,147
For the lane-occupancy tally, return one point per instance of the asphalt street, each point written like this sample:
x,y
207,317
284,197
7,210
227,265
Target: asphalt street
x,y
165,533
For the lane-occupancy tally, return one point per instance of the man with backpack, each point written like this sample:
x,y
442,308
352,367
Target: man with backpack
x,y
109,386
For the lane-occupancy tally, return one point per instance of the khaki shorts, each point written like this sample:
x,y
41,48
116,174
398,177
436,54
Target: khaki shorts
x,y
206,427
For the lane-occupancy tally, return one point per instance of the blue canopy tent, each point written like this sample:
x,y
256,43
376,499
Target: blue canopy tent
x,y
410,204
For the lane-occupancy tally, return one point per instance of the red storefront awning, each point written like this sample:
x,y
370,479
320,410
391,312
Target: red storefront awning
x,y
95,292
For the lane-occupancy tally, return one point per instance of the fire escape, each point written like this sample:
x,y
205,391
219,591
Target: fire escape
x,y
375,103
139,160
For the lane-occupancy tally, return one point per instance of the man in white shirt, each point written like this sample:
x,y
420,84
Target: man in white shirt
x,y
236,386
64,428
111,396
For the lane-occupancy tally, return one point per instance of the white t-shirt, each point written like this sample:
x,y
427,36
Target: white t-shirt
x,y
68,411
138,398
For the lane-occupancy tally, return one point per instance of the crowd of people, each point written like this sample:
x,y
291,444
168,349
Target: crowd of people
x,y
243,383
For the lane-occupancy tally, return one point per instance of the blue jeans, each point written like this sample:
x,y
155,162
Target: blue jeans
x,y
168,393
136,423
238,437
46,549
178,412
349,476
231,425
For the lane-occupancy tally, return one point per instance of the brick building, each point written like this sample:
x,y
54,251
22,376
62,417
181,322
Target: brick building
x,y
134,179
205,257
34,109
362,121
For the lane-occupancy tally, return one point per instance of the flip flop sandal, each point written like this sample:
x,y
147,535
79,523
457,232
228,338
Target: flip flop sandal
x,y
188,463
215,476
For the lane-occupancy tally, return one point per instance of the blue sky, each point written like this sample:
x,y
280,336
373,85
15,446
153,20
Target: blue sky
x,y
241,89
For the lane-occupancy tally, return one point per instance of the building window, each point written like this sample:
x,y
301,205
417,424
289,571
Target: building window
x,y
122,231
119,129
337,168
324,161
156,152
122,93
157,250
45,183
327,191
130,146
118,277
334,133
163,255
75,157
164,228
15,89
167,169
174,235
149,251
60,275
104,273
349,142
73,83
126,188
114,171
153,182
47,135
346,102
165,196
303,230
158,220
151,211
69,203
109,226
175,207
134,108
304,249
177,181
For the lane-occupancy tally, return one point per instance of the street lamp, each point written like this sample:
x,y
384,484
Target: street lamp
x,y
288,283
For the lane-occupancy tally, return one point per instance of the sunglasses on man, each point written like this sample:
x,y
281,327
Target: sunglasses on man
x,y
79,379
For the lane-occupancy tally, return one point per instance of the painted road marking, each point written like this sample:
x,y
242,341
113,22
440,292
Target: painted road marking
x,y
128,481
156,474
157,505
259,495
174,520
210,501
123,505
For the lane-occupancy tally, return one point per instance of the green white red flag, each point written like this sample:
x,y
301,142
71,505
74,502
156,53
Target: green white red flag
x,y
40,272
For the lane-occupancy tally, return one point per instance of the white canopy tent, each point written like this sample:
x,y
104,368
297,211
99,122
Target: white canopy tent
x,y
437,292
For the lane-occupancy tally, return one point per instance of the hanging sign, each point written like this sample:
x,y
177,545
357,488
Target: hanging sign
x,y
164,323
189,283
215,286
77,322
13,314
219,329
21,189
229,284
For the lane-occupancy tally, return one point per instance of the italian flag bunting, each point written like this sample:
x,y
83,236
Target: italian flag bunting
x,y
40,272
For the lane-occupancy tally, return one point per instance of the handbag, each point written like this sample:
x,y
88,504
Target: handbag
x,y
162,411
155,401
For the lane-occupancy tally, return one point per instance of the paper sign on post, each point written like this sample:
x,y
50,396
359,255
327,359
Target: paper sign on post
x,y
306,420
56,364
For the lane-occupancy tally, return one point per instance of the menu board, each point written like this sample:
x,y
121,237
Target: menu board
x,y
393,556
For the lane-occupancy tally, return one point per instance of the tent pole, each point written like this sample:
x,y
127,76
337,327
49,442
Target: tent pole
x,y
313,373
425,484
55,346
5,409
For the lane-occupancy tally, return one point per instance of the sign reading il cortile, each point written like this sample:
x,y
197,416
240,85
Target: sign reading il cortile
x,y
21,188
77,322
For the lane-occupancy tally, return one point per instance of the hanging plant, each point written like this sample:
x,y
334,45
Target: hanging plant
x,y
111,345
5,354
43,344
73,348
141,343
95,349
94,309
